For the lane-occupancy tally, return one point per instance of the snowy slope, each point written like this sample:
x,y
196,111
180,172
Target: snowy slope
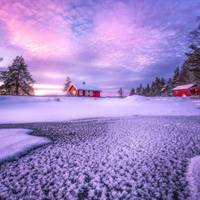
x,y
41,109
16,141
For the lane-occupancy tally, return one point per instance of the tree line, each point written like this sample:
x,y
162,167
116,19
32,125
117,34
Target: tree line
x,y
162,86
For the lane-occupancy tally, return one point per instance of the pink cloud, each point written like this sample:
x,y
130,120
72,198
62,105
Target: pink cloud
x,y
41,32
121,40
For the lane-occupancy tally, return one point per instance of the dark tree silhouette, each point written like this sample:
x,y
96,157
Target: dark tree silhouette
x,y
193,62
67,84
132,92
17,80
121,92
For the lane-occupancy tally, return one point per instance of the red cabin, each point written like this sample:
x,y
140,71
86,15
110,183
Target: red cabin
x,y
83,90
186,90
197,90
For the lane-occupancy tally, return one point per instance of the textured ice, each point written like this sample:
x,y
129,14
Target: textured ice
x,y
120,158
16,141
193,175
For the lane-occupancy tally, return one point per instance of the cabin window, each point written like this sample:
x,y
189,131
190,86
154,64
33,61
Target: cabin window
x,y
80,92
74,92
86,93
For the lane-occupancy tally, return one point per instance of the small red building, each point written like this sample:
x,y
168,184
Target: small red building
x,y
83,90
186,90
197,90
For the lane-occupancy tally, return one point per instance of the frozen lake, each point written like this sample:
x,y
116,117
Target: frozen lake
x,y
135,157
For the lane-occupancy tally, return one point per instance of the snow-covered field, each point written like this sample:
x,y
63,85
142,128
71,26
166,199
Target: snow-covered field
x,y
16,141
131,148
136,157
43,109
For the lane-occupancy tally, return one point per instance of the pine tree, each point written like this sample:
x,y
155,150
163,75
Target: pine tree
x,y
132,92
193,62
17,80
121,92
141,91
147,90
185,75
153,88
162,86
157,87
67,84
175,78
169,87
193,57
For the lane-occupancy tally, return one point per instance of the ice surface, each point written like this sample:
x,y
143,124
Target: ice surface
x,y
47,109
16,141
127,158
193,175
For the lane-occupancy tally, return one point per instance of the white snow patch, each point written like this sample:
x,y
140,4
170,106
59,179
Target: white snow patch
x,y
46,109
193,177
16,141
182,87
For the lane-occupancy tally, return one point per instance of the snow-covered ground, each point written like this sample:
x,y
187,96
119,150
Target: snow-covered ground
x,y
138,157
193,176
16,141
43,109
141,150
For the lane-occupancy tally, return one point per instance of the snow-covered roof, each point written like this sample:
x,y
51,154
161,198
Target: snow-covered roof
x,y
183,87
84,86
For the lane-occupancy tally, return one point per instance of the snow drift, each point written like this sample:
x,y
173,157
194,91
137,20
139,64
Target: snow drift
x,y
15,141
193,176
46,109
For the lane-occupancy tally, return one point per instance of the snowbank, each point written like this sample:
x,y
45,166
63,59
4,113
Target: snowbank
x,y
193,176
42,109
16,141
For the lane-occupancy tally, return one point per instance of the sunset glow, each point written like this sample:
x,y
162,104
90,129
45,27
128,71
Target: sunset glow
x,y
44,92
48,89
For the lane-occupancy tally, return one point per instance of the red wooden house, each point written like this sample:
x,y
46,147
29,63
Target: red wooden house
x,y
197,90
83,90
186,90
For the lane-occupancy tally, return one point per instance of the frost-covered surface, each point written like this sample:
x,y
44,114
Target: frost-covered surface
x,y
49,109
193,175
125,158
15,141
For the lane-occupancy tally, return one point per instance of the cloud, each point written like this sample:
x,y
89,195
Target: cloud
x,y
40,32
110,42
119,39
